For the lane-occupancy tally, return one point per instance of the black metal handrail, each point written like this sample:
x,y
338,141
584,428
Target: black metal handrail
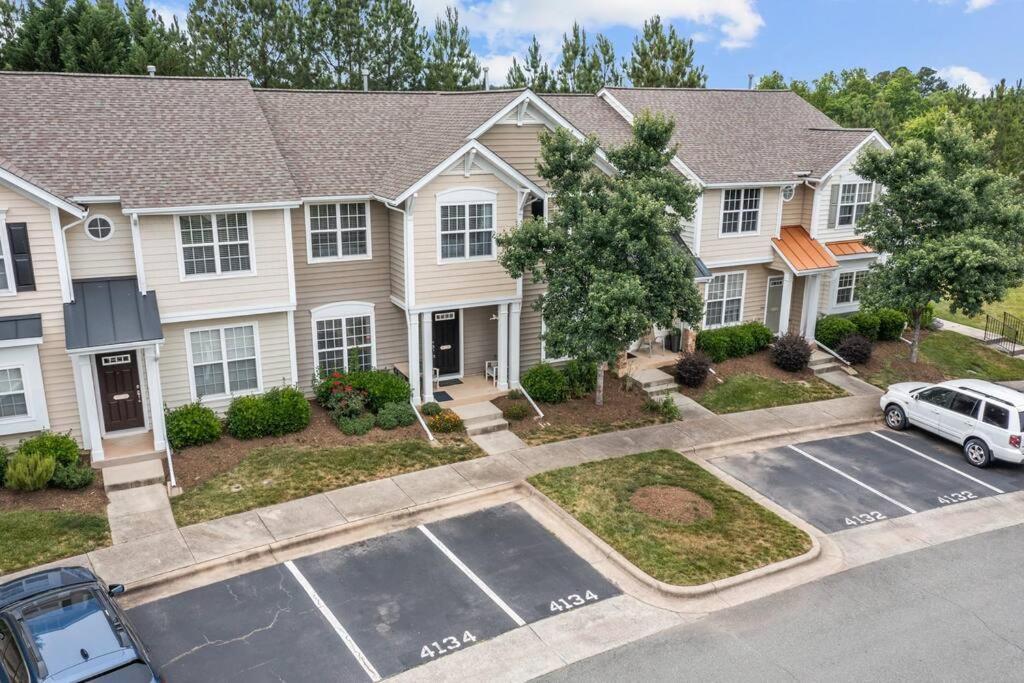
x,y
1005,332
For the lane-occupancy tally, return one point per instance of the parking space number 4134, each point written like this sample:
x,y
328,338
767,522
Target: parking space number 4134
x,y
570,601
446,645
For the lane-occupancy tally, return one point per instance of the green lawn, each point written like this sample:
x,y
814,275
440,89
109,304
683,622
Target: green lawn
x,y
280,473
751,392
1012,304
30,537
740,536
947,355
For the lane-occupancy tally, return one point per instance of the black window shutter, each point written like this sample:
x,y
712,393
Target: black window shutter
x,y
21,256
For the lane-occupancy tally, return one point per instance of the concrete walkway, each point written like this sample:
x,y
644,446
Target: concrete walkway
x,y
854,386
150,555
134,513
966,330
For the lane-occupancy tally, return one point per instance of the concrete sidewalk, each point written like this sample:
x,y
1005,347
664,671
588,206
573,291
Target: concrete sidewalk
x,y
231,538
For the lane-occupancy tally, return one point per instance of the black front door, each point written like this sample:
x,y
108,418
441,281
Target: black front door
x,y
446,342
120,392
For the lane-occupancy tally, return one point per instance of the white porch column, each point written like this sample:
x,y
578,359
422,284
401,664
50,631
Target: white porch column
x,y
809,320
513,344
156,398
787,301
91,417
413,321
503,347
427,334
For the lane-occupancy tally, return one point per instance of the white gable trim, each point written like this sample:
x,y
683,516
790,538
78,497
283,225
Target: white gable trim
x,y
873,136
39,194
212,208
676,162
501,169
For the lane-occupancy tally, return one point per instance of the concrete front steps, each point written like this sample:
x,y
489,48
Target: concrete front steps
x,y
822,362
653,382
481,418
117,477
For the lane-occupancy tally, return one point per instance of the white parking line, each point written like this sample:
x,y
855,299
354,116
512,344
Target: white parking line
x,y
938,462
855,481
333,621
472,577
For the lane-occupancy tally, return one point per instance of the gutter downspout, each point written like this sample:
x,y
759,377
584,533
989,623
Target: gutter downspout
x,y
67,257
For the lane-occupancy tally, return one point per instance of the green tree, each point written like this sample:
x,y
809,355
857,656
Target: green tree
x,y
8,28
335,32
606,253
604,62
451,64
952,227
663,59
584,67
155,43
96,39
36,43
533,73
773,81
395,45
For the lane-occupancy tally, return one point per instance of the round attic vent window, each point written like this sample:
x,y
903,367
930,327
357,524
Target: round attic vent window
x,y
99,228
787,192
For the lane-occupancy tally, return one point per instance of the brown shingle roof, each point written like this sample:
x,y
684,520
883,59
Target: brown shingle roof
x,y
155,142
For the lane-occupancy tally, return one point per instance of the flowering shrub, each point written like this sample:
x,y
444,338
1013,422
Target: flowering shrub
x,y
446,422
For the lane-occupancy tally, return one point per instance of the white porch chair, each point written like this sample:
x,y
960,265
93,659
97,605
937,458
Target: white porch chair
x,y
491,371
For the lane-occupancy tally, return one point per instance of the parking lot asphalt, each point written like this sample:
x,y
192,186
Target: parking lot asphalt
x,y
372,609
852,481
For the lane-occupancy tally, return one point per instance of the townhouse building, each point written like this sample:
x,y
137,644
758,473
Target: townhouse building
x,y
168,240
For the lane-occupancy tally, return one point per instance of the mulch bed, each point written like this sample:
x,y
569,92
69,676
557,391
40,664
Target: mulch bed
x,y
90,500
198,464
672,504
894,357
623,409
759,363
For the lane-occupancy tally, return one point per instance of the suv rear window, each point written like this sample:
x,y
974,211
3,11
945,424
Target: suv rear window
x,y
996,416
965,405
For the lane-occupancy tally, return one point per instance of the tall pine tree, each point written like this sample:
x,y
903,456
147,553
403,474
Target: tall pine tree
x,y
663,59
451,64
533,73
155,43
395,45
97,39
335,32
8,27
244,38
36,43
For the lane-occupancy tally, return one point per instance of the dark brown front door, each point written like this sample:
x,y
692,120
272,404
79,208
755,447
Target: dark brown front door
x,y
120,392
446,342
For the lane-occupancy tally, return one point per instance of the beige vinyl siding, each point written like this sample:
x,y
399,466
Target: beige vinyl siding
x,y
459,281
796,305
396,247
755,289
797,211
519,146
112,257
275,363
823,230
714,247
366,281
479,338
54,362
530,325
826,297
268,287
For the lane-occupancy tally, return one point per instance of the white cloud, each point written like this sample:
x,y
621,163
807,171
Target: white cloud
x,y
957,75
974,5
499,65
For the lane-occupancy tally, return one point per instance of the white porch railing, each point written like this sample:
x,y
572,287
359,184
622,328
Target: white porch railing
x,y
423,423
529,398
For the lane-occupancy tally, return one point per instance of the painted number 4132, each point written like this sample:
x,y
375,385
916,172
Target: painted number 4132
x,y
446,645
570,601
864,518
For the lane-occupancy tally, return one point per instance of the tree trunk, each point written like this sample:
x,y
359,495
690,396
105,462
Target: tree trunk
x,y
599,394
916,340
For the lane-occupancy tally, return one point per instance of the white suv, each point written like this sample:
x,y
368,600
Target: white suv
x,y
984,418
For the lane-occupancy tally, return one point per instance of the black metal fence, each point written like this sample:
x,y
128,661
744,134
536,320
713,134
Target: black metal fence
x,y
1005,332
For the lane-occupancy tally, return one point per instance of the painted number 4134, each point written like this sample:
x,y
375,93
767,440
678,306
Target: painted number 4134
x,y
570,601
446,645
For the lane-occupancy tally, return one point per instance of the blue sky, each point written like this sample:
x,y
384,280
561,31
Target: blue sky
x,y
975,41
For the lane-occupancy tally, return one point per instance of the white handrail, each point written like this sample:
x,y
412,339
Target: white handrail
x,y
530,399
170,465
831,352
430,436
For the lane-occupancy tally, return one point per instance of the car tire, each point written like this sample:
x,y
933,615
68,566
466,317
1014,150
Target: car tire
x,y
895,418
977,452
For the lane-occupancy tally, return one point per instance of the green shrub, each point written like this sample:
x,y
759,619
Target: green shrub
x,y
431,409
545,384
867,324
287,409
692,368
72,477
248,417
890,324
715,343
791,352
5,456
735,341
446,422
580,378
760,333
191,425
30,471
61,447
832,329
515,411
381,387
395,415
516,395
355,426
668,409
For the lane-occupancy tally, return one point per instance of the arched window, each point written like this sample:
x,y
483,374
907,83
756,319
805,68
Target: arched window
x,y
99,228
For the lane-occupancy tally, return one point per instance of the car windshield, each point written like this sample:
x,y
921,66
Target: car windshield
x,y
69,628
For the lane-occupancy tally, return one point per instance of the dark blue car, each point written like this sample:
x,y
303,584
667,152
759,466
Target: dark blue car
x,y
61,626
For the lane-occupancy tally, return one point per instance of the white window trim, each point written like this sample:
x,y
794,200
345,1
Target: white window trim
x,y
85,227
344,310
216,248
228,394
743,296
721,213
466,196
333,259
5,253
851,180
848,307
26,359
543,347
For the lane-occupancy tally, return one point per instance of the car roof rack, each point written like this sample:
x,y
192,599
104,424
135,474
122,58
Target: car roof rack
x,y
988,397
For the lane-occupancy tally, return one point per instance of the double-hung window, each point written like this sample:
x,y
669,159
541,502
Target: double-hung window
x,y
854,199
343,334
13,402
724,300
225,361
339,231
215,244
848,286
740,210
467,230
